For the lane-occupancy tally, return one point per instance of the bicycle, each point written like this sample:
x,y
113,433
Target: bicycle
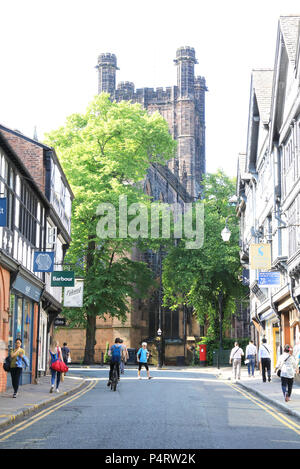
x,y
114,378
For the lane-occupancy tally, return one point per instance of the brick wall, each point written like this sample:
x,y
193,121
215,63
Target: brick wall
x,y
31,155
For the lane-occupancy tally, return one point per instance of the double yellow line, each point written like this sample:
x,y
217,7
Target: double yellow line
x,y
270,410
23,425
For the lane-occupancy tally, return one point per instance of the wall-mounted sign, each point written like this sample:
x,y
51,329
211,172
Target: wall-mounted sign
x,y
24,286
260,256
59,321
43,261
269,279
73,296
62,279
3,211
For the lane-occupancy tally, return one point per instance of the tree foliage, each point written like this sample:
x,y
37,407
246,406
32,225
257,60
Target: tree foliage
x,y
201,278
105,154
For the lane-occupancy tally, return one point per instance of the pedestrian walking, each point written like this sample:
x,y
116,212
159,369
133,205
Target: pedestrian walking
x,y
115,353
251,352
66,353
55,354
287,364
124,358
16,365
236,360
142,358
264,357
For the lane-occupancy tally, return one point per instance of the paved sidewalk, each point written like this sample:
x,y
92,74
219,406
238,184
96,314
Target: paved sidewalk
x,y
269,391
32,397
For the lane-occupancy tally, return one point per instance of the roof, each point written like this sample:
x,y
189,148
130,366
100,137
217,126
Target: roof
x,y
262,81
289,26
45,147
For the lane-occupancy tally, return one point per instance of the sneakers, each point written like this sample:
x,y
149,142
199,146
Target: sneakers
x,y
57,390
150,377
52,388
14,395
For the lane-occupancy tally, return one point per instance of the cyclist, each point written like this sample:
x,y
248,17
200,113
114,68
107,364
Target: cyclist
x,y
115,352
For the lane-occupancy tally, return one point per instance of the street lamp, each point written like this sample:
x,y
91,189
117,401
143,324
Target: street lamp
x,y
226,233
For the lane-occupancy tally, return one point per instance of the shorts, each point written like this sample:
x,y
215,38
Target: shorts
x,y
145,365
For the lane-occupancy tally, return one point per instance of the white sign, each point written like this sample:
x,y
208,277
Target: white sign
x,y
73,296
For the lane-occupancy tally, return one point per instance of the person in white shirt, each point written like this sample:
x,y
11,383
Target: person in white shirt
x,y
288,367
251,353
264,357
236,360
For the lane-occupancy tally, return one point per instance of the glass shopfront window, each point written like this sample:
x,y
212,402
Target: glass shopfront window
x,y
22,328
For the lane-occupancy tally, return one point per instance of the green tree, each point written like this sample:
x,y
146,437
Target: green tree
x,y
105,154
207,278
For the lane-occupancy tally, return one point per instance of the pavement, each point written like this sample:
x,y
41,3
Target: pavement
x,y
33,397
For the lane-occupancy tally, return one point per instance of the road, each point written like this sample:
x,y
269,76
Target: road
x,y
174,410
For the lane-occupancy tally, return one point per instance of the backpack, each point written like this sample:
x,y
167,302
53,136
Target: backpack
x,y
116,353
6,364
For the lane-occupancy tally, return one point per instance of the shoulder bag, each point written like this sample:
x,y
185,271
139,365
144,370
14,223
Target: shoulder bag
x,y
279,371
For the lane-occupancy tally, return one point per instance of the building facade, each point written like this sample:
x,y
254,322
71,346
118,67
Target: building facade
x,y
268,187
38,219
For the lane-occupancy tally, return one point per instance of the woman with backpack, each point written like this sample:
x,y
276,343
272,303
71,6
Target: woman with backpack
x,y
287,366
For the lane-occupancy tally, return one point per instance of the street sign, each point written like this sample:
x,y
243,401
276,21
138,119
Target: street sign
x,y
269,279
73,296
260,256
43,261
62,279
59,321
3,211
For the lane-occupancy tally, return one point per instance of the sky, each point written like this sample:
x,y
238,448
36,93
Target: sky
x,y
49,50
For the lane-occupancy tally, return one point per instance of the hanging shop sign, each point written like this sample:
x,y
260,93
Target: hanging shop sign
x,y
59,321
73,296
3,211
43,261
260,256
269,279
62,279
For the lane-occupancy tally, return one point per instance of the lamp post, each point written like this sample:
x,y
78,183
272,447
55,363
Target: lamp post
x,y
159,338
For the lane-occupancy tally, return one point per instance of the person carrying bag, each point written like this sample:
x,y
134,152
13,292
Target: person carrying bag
x,y
57,366
286,368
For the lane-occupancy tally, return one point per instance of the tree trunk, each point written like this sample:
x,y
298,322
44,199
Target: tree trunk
x,y
90,342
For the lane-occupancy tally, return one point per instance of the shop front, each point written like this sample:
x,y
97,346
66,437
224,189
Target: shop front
x,y
24,303
271,331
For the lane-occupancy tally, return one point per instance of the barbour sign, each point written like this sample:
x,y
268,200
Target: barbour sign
x,y
62,279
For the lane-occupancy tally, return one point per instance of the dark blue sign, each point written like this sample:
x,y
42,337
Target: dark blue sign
x,y
43,261
22,285
269,279
3,211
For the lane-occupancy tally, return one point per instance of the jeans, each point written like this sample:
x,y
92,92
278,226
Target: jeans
x,y
287,383
15,378
53,375
122,366
266,365
251,364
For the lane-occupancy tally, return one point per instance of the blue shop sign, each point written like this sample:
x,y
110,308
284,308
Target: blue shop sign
x,y
24,286
269,279
43,261
3,211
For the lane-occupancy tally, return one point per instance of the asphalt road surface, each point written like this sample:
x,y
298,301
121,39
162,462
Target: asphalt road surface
x,y
174,410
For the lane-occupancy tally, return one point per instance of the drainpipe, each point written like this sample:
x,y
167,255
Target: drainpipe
x,y
276,211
